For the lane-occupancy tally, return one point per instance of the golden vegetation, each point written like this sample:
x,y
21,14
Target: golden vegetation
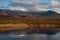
x,y
28,21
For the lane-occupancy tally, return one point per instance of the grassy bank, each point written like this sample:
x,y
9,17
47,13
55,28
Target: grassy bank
x,y
29,20
26,20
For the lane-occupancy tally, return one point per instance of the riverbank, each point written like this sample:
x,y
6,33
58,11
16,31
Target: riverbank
x,y
24,23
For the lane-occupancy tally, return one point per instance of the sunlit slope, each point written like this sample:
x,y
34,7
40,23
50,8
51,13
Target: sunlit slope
x,y
29,20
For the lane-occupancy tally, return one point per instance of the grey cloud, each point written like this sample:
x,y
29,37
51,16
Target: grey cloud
x,y
29,5
35,6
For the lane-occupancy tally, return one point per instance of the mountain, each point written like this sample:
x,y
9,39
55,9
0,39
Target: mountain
x,y
20,14
49,13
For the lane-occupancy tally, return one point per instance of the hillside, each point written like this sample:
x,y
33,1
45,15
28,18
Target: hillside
x,y
20,14
14,16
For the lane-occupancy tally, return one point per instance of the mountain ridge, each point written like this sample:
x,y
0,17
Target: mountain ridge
x,y
21,14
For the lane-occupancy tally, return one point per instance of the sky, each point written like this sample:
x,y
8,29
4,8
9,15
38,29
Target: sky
x,y
31,5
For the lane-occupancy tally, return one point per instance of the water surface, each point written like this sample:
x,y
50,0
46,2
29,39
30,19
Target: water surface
x,y
30,37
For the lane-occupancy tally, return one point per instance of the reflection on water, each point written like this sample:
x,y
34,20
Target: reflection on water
x,y
30,37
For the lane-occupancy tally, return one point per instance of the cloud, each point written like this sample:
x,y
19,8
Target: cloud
x,y
31,5
55,4
34,5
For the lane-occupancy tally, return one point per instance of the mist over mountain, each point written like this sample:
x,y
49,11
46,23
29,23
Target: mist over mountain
x,y
21,14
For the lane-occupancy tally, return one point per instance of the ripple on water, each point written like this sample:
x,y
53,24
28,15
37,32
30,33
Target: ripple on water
x,y
28,37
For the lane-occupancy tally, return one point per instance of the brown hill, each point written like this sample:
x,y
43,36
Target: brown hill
x,y
20,14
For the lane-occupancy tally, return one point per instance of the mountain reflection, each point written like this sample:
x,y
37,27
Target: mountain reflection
x,y
29,37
